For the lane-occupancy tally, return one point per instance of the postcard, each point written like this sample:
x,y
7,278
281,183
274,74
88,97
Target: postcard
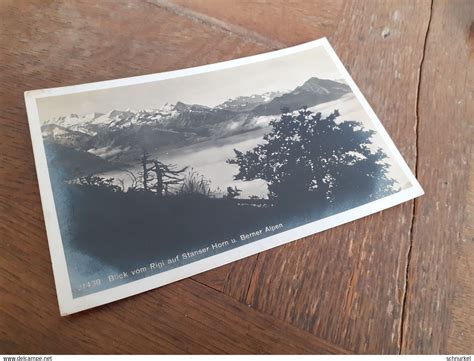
x,y
147,180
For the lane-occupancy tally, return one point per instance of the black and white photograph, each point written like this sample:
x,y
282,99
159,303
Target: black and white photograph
x,y
151,179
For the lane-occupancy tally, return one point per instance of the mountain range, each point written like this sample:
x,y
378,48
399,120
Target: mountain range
x,y
121,135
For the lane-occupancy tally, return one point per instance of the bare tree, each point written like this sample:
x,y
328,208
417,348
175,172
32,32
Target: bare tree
x,y
144,159
166,175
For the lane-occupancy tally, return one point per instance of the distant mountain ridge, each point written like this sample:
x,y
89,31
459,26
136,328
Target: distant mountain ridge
x,y
248,103
120,135
313,92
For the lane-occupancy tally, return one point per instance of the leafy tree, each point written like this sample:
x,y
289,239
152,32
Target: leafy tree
x,y
314,160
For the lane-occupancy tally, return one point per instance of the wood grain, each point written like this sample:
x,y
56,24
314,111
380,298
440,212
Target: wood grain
x,y
327,283
232,279
280,21
397,281
174,320
440,305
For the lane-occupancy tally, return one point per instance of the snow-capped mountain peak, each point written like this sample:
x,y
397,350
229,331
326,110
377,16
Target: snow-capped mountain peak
x,y
247,103
125,129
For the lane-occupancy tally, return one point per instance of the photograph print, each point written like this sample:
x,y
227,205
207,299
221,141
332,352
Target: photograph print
x,y
142,177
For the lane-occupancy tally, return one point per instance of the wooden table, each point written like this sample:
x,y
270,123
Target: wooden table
x,y
400,281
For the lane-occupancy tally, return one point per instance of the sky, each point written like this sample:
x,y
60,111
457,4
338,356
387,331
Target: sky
x,y
209,89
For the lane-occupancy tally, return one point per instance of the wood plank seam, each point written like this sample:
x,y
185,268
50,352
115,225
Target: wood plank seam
x,y
327,346
415,201
324,344
205,284
251,280
220,25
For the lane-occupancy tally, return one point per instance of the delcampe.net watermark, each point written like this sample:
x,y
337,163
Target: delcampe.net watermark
x,y
27,358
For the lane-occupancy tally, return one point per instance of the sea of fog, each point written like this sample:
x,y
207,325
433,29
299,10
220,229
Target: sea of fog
x,y
209,158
